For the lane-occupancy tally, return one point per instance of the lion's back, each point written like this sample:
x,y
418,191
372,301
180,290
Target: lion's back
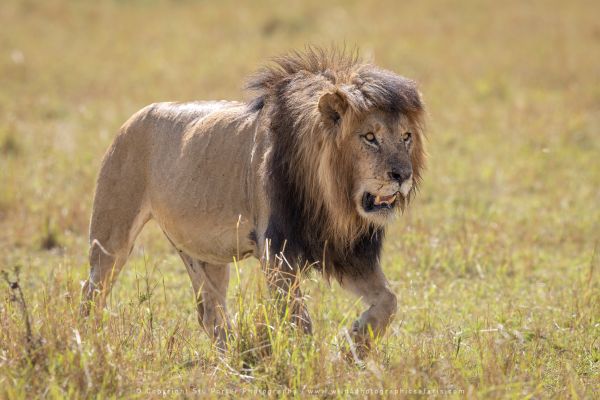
x,y
177,116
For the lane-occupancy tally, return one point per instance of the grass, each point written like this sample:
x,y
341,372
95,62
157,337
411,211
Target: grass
x,y
496,266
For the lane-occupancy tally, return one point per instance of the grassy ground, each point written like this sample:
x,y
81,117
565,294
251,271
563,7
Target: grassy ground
x,y
496,266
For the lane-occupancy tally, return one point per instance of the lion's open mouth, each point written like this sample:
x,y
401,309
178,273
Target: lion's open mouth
x,y
373,203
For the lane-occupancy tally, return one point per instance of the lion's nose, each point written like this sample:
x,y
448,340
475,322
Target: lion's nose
x,y
400,174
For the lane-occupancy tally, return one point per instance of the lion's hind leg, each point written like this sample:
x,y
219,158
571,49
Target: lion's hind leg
x,y
104,267
109,250
210,282
119,213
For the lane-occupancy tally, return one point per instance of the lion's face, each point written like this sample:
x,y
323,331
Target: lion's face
x,y
380,146
383,153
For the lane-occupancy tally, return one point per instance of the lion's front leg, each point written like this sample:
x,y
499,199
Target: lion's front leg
x,y
284,283
375,292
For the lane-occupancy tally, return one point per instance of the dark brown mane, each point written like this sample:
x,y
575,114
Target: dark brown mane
x,y
367,86
310,229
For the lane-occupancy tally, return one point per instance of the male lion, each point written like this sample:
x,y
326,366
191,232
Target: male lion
x,y
307,173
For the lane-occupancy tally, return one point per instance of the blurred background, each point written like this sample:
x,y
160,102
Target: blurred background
x,y
504,230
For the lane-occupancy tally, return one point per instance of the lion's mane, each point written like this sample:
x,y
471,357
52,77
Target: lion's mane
x,y
309,177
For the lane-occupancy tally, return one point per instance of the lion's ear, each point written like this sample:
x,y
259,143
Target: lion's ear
x,y
332,107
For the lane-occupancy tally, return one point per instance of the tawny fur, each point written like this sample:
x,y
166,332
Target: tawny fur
x,y
225,179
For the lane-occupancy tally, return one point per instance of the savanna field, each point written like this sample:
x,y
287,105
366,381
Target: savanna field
x,y
496,264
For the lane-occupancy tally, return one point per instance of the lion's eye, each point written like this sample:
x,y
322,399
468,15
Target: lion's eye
x,y
406,136
370,137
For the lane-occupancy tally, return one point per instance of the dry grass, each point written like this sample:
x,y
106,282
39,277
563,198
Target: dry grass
x,y
496,265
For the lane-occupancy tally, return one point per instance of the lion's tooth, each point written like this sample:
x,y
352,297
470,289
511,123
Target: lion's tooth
x,y
377,200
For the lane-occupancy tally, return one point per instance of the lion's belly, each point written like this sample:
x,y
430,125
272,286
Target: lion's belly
x,y
210,239
207,213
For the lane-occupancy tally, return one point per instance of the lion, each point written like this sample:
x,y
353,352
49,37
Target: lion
x,y
309,172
